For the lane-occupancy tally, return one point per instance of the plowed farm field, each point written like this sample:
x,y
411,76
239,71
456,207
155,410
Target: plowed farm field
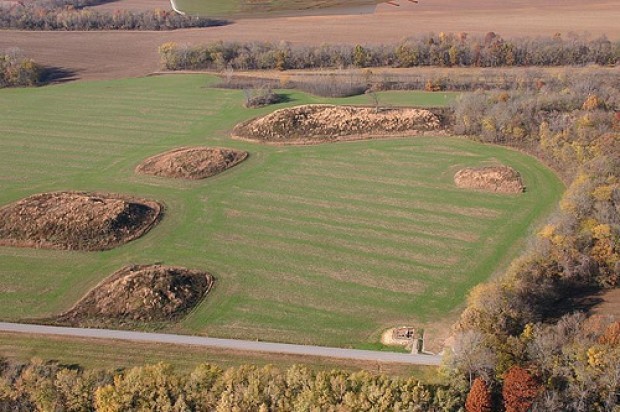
x,y
119,54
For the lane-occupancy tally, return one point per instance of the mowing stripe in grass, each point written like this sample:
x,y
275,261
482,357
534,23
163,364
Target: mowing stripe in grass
x,y
320,244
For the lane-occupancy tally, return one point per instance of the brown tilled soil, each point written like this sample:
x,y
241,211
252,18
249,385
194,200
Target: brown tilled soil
x,y
321,123
109,55
76,221
149,293
191,162
497,179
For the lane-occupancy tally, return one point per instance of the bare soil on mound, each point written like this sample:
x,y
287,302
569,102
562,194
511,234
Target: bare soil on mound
x,y
76,221
191,162
497,179
147,293
320,123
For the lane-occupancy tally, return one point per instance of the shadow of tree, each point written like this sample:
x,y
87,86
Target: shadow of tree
x,y
56,75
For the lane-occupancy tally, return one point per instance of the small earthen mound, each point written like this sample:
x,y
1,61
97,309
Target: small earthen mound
x,y
76,221
319,123
497,179
148,293
191,162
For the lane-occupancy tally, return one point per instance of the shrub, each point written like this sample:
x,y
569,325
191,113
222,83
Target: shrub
x,y
17,70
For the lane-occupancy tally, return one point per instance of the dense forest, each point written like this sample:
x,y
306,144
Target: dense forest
x,y
573,362
443,50
76,15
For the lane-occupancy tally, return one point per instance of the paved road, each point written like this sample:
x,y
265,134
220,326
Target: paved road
x,y
241,345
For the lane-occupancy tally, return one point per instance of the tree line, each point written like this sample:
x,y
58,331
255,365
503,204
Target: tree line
x,y
17,70
48,386
443,50
72,15
511,321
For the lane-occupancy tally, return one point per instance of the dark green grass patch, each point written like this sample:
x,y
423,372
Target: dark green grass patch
x,y
253,8
327,244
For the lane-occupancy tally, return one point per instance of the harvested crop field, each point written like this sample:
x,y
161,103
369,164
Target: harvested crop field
x,y
191,162
137,294
112,55
326,244
496,179
328,123
76,221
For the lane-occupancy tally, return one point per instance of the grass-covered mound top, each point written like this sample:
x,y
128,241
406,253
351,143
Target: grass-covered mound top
x,y
148,293
76,221
191,162
318,123
497,179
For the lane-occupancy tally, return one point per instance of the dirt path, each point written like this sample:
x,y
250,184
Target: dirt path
x,y
241,345
609,305
108,55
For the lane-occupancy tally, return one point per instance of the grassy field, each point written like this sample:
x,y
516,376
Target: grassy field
x,y
253,8
322,244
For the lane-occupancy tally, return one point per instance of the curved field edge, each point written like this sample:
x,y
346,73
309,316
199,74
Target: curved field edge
x,y
325,245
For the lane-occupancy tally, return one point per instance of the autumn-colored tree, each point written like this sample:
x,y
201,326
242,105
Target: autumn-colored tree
x,y
611,335
520,389
479,398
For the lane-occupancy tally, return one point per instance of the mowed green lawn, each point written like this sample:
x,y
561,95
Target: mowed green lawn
x,y
254,8
323,244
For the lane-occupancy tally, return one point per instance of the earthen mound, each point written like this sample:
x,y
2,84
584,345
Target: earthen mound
x,y
319,123
191,162
148,293
497,179
76,221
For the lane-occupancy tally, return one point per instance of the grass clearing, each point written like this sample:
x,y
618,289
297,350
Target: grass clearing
x,y
253,8
326,244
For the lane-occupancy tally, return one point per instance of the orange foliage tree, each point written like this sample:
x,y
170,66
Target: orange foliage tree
x,y
479,398
520,389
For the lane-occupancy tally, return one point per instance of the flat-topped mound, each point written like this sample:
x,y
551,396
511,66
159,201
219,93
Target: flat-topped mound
x,y
497,179
147,293
191,162
76,221
319,123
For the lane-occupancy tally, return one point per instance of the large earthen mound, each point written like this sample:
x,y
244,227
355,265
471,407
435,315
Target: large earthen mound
x,y
497,179
320,123
76,221
191,162
147,293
